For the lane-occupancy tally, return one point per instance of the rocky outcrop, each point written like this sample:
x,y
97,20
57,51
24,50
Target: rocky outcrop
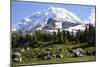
x,y
78,52
16,57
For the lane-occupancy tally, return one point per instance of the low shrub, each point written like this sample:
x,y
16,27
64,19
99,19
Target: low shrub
x,y
90,51
28,54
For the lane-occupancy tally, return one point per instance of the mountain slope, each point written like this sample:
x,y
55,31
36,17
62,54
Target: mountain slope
x,y
49,19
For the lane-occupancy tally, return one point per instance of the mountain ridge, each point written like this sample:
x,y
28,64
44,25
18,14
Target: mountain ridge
x,y
40,20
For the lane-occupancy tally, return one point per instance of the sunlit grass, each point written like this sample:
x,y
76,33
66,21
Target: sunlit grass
x,y
66,59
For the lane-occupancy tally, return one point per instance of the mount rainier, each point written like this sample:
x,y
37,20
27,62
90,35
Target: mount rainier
x,y
51,19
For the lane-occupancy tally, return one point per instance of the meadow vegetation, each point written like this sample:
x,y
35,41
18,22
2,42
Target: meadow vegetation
x,y
41,47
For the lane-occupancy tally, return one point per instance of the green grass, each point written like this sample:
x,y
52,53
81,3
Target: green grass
x,y
29,57
64,60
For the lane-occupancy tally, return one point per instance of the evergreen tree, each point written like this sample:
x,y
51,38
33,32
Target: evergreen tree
x,y
54,37
68,36
60,36
64,36
92,34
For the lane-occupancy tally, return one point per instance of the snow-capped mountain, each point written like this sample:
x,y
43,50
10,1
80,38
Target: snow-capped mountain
x,y
50,19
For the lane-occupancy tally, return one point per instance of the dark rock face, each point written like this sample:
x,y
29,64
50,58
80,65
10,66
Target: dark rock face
x,y
67,25
50,24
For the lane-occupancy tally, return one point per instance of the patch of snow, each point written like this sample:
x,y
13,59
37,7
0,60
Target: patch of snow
x,y
27,19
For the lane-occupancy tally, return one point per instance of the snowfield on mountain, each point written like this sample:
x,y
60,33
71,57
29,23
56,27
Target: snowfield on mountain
x,y
51,19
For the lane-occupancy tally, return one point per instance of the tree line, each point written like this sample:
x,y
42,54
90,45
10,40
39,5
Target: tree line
x,y
40,38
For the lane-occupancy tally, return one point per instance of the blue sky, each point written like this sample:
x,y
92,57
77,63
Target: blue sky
x,y
21,10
